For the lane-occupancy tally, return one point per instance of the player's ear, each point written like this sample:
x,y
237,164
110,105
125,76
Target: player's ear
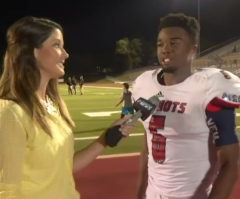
x,y
193,52
195,49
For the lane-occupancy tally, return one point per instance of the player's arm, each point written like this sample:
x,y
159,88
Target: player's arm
x,y
143,166
222,122
12,150
143,171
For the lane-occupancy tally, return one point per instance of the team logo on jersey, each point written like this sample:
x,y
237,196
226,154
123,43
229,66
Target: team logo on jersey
x,y
159,94
225,74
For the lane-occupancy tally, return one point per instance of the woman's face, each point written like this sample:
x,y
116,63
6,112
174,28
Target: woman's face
x,y
50,57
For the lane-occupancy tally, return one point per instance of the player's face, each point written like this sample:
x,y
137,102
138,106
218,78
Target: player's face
x,y
51,56
175,49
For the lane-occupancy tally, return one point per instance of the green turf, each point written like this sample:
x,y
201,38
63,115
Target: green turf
x,y
98,100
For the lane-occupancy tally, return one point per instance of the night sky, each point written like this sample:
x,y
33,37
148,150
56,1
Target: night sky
x,y
91,27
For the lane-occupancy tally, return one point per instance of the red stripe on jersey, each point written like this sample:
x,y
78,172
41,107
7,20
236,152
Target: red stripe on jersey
x,y
211,107
224,103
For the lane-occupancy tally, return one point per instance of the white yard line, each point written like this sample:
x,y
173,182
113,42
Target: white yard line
x,y
95,137
89,108
118,155
95,87
104,87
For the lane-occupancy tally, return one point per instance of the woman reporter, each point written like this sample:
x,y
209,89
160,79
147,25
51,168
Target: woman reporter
x,y
37,158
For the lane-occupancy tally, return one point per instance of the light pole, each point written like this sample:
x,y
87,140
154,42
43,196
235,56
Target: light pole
x,y
199,19
199,9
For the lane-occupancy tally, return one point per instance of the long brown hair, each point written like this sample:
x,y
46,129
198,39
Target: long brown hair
x,y
21,76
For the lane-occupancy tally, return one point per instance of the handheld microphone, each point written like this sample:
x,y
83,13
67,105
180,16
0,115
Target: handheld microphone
x,y
144,109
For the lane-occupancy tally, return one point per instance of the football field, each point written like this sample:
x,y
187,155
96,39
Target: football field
x,y
94,111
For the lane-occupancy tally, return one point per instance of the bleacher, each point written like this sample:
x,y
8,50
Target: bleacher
x,y
225,55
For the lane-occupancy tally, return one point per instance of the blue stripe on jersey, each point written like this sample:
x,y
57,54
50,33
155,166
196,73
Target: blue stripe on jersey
x,y
222,124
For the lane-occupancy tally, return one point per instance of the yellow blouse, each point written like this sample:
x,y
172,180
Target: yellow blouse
x,y
32,164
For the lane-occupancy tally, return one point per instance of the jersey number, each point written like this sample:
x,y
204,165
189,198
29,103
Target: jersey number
x,y
158,140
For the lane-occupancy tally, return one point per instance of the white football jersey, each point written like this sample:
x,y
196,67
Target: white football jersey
x,y
182,157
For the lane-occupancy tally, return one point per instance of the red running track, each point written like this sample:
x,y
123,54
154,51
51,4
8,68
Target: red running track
x,y
115,178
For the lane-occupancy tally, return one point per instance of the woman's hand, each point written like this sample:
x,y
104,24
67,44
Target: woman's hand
x,y
118,130
125,128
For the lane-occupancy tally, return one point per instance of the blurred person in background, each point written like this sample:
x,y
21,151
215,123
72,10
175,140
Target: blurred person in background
x,y
127,101
69,83
74,83
81,83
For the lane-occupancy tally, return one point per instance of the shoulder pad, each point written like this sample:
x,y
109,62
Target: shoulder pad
x,y
139,82
222,86
142,77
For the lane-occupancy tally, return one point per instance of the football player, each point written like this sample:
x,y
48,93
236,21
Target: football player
x,y
190,148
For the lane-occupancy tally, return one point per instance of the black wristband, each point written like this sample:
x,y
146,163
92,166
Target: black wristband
x,y
113,136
